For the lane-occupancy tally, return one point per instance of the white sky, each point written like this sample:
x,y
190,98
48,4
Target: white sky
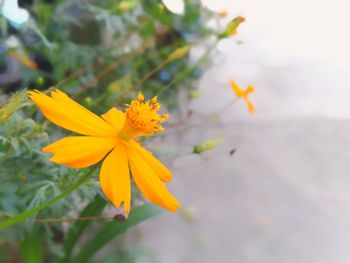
x,y
296,54
317,29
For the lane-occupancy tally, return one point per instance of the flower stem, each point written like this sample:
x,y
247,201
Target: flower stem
x,y
152,72
181,75
22,216
77,219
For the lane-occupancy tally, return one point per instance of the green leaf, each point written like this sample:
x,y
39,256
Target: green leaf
x,y
75,231
22,216
112,229
31,249
16,102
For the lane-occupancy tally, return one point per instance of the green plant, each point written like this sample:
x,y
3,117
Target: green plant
x,y
101,53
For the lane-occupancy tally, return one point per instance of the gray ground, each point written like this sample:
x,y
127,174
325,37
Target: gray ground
x,y
273,201
284,196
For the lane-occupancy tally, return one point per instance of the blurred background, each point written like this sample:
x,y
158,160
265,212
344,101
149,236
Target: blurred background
x,y
284,195
276,188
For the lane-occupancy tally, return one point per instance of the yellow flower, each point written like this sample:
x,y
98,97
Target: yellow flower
x,y
111,137
240,93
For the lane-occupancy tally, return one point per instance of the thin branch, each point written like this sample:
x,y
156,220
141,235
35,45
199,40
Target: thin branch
x,y
151,73
77,219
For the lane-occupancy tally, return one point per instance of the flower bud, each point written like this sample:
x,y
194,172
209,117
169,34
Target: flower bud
x,y
205,146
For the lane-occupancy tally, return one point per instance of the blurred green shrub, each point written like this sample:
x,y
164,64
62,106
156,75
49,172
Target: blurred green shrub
x,y
101,53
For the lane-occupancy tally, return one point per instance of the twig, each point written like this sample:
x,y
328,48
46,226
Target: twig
x,y
150,73
77,219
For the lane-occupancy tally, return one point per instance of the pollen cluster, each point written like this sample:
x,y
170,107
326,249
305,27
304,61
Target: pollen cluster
x,y
142,118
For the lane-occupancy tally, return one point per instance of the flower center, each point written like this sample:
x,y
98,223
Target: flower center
x,y
142,118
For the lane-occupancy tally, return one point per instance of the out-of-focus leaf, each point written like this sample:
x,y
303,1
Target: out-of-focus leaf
x,y
158,11
112,229
28,213
76,230
31,249
126,5
16,102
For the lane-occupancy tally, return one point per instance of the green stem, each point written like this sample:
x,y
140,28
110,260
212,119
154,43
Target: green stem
x,y
188,70
153,71
22,216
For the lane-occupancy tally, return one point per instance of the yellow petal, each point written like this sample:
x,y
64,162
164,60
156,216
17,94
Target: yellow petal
x,y
251,107
65,112
149,183
80,151
236,89
115,117
115,178
250,89
161,171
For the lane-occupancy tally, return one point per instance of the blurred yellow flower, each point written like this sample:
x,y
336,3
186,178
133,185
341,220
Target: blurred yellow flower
x,y
232,26
240,93
24,59
110,137
222,13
